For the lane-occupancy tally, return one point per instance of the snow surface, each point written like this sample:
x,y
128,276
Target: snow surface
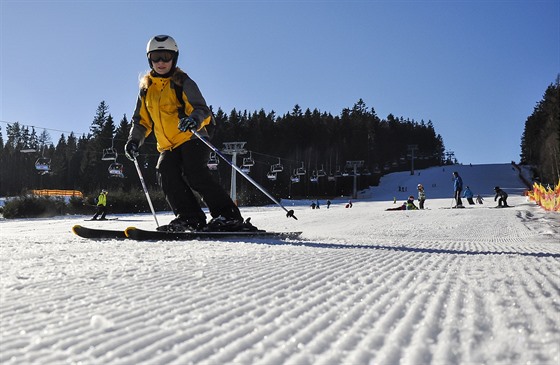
x,y
362,286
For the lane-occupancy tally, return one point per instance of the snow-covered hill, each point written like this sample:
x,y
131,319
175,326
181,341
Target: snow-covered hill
x,y
438,184
363,285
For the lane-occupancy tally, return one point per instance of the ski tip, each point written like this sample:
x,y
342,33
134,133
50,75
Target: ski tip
x,y
75,228
128,230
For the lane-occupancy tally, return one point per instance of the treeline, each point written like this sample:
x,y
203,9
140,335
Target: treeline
x,y
326,147
540,142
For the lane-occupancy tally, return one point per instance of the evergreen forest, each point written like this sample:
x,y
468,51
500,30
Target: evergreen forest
x,y
302,154
540,142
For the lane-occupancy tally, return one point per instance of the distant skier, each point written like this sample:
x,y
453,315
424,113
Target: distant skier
x,y
502,195
328,204
457,188
421,196
469,195
101,206
407,205
479,199
349,205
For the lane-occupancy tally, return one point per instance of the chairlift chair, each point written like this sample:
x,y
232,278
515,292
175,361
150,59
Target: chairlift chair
x,y
213,161
295,177
321,172
248,161
301,170
109,154
277,167
271,175
338,173
43,165
314,178
116,170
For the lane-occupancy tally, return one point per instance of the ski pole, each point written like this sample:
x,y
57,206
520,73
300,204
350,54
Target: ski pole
x,y
289,213
145,189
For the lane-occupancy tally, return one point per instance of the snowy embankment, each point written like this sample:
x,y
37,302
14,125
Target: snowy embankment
x,y
362,286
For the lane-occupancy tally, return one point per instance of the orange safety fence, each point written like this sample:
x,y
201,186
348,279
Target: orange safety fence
x,y
546,197
56,192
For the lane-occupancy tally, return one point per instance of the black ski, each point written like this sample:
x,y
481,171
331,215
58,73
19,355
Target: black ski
x,y
99,234
145,235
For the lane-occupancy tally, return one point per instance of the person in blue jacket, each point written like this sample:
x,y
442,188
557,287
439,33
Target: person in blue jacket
x,y
457,188
468,194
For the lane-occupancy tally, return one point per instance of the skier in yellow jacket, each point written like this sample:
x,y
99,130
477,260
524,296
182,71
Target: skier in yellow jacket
x,y
170,105
101,205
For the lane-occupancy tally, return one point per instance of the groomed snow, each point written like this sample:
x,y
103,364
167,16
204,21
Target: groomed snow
x,y
362,286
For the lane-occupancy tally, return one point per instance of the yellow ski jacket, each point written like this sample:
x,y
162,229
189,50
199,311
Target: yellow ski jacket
x,y
159,110
102,199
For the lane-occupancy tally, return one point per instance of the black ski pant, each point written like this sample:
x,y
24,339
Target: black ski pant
x,y
182,171
458,200
101,210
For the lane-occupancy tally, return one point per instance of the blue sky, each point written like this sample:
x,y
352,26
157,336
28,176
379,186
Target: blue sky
x,y
476,69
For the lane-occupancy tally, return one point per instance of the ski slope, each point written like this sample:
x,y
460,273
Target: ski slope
x,y
362,286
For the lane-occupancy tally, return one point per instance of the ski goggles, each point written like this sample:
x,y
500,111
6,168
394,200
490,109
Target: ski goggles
x,y
158,56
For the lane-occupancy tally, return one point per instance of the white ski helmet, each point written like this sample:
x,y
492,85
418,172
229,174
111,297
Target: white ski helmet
x,y
162,43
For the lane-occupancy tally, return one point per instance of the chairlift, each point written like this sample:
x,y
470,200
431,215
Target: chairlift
x,y
295,177
366,172
248,161
338,173
277,167
43,165
271,175
246,169
331,177
314,178
301,170
109,154
321,172
213,161
116,170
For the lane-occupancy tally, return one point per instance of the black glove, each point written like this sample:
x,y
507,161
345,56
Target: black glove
x,y
187,124
131,150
